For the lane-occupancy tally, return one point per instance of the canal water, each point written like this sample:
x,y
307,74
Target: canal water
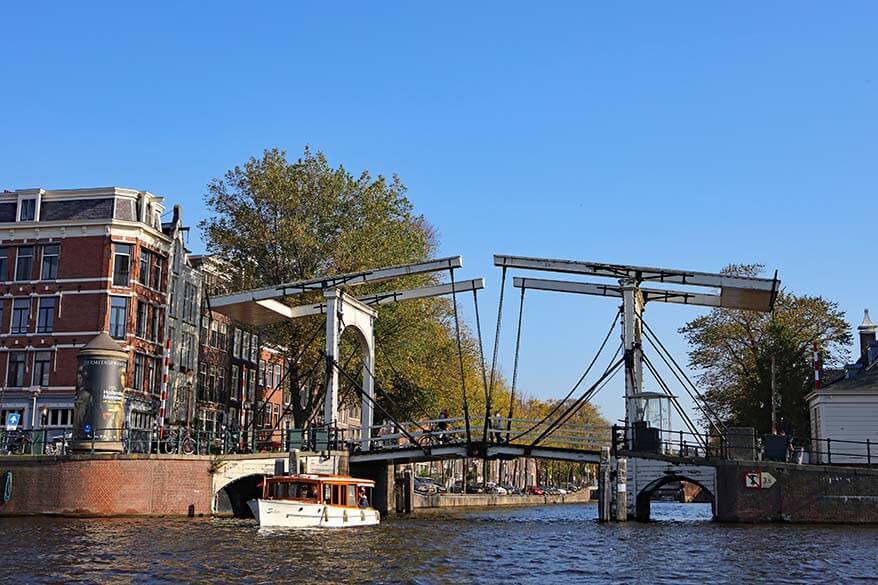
x,y
540,545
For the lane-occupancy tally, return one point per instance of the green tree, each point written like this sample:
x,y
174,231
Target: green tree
x,y
278,221
733,351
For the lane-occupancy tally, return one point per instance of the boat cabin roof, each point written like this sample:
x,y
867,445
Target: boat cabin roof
x,y
321,478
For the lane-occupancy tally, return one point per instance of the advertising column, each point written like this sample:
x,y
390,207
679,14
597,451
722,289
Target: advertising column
x,y
99,413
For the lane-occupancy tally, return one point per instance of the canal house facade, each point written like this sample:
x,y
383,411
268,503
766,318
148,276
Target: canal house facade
x,y
75,263
78,262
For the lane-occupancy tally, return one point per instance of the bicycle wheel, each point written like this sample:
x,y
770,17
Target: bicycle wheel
x,y
427,440
187,445
168,445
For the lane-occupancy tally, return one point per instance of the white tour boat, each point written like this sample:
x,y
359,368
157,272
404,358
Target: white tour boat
x,y
315,501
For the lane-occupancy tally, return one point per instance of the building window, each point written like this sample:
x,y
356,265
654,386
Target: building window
x,y
4,263
144,267
46,315
251,386
138,371
155,334
172,296
213,334
211,384
121,264
223,337
20,315
235,381
150,376
202,381
142,319
277,375
254,346
262,381
15,370
24,263
42,366
188,302
236,344
157,272
245,345
221,385
27,210
50,262
118,317
60,417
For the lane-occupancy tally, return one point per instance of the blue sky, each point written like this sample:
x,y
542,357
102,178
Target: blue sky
x,y
673,134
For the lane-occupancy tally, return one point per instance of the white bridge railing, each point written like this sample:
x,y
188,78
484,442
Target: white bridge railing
x,y
501,430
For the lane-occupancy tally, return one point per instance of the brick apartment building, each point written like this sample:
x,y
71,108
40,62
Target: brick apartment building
x,y
77,262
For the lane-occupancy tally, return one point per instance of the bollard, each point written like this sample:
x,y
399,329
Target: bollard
x,y
621,490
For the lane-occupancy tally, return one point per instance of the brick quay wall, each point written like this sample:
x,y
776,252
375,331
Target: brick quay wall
x,y
798,493
110,485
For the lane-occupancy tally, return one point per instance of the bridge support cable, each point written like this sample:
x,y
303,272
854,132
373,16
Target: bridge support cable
x,y
390,399
494,356
358,386
481,352
515,367
573,408
677,406
711,416
279,385
591,393
427,415
578,382
460,356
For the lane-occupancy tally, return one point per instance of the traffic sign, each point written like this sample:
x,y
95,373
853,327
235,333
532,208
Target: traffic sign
x,y
760,480
12,420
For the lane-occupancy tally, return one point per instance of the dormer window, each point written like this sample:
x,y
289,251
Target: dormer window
x,y
27,210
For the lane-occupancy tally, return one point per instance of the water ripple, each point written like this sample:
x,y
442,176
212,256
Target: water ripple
x,y
541,546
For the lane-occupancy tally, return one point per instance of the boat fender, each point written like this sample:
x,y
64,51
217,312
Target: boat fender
x,y
345,514
326,513
7,486
363,515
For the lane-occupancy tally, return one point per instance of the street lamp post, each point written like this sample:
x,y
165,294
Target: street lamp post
x,y
35,393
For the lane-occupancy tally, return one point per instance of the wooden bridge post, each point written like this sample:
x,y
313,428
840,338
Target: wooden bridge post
x,y
604,484
621,489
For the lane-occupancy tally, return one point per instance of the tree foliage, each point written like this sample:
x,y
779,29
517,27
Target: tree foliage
x,y
733,351
278,221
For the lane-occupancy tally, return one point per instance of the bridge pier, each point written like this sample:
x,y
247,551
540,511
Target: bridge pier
x,y
384,476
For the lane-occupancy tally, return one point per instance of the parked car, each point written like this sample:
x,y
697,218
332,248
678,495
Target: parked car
x,y
535,490
511,489
425,486
497,490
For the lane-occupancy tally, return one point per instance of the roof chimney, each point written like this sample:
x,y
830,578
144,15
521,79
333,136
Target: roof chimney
x,y
867,331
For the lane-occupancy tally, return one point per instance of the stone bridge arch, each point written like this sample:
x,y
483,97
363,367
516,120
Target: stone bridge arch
x,y
647,475
234,480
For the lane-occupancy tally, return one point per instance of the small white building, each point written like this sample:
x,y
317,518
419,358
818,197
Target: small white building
x,y
847,410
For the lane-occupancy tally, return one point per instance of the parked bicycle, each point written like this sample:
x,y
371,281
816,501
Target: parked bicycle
x,y
178,441
59,445
16,443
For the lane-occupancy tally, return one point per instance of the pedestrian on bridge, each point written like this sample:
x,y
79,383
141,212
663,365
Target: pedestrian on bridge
x,y
442,425
497,425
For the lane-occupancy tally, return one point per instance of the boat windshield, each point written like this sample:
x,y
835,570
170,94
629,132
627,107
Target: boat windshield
x,y
292,491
